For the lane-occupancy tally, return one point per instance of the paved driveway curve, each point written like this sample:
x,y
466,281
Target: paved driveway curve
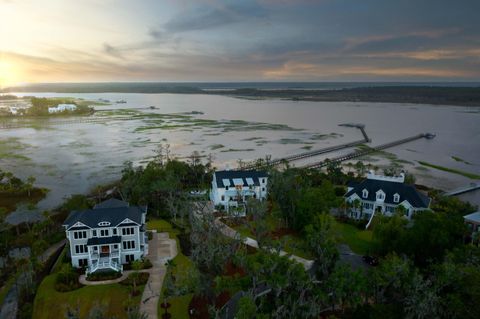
x,y
160,249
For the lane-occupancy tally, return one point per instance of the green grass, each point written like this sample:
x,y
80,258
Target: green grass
x,y
458,159
450,170
360,241
160,225
50,303
293,244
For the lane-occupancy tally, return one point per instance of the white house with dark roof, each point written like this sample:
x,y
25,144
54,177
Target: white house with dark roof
x,y
383,194
62,108
230,188
473,223
107,236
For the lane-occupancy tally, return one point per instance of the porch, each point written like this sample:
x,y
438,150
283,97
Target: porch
x,y
104,254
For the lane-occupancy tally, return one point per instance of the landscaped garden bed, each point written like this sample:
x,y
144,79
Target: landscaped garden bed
x,y
104,275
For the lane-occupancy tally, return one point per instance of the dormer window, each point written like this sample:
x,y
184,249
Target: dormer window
x,y
380,195
364,193
104,224
396,198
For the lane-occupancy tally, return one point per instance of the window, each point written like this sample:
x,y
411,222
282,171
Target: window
x,y
129,258
226,188
80,234
128,231
396,198
115,246
263,189
81,249
130,244
94,233
95,248
223,198
104,224
364,193
263,180
114,231
104,233
83,262
380,195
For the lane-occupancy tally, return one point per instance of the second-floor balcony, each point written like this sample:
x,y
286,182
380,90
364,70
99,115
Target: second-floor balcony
x,y
106,255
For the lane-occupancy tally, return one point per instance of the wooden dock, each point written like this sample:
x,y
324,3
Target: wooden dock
x,y
361,153
329,149
465,189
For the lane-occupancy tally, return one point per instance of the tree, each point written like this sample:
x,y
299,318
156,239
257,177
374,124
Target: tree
x,y
258,225
347,288
246,308
391,279
321,241
389,233
137,265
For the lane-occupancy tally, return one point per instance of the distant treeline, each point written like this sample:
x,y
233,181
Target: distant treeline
x,y
440,95
463,96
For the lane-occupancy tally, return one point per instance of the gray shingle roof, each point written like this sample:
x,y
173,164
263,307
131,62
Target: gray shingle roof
x,y
230,175
111,203
407,192
114,214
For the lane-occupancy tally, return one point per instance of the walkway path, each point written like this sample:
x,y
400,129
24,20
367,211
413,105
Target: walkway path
x,y
124,276
161,249
232,233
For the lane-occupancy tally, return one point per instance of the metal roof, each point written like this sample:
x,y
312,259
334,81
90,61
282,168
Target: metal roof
x,y
473,217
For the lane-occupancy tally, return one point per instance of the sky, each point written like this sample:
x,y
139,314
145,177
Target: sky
x,y
242,40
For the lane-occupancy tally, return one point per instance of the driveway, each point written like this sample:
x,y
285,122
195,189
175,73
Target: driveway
x,y
161,249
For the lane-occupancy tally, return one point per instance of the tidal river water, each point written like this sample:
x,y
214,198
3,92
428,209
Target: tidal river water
x,y
73,158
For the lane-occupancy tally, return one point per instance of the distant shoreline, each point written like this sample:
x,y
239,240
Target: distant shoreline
x,y
418,93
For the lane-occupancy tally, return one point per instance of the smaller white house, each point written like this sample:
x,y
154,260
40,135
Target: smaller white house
x,y
233,188
62,108
473,223
384,194
13,110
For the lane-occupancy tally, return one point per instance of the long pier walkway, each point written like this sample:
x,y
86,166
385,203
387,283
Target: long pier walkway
x,y
303,155
465,189
360,153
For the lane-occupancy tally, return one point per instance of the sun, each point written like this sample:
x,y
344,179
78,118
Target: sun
x,y
9,74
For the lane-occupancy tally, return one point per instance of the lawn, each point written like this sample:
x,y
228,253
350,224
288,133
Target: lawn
x,y
50,303
360,241
293,244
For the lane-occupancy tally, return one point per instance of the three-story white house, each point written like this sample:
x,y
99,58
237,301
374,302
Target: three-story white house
x,y
107,236
384,194
230,188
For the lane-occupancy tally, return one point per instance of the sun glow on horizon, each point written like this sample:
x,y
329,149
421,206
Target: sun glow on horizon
x,y
9,74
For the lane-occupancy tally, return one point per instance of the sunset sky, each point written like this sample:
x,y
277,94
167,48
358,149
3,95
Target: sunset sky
x,y
244,40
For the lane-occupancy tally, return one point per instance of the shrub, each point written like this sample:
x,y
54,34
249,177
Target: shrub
x,y
141,279
104,275
67,279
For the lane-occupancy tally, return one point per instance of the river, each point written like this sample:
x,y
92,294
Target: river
x,y
71,159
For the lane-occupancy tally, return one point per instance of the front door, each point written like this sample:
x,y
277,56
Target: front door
x,y
105,249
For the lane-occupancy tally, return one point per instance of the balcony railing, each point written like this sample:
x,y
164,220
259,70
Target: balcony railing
x,y
104,264
113,254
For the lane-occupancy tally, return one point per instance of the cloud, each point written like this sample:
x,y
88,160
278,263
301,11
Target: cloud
x,y
112,51
208,17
